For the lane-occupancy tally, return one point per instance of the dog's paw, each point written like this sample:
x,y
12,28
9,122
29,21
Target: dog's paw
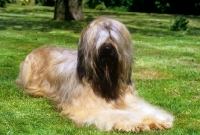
x,y
159,122
131,127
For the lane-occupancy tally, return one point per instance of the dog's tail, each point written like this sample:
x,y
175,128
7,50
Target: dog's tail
x,y
24,74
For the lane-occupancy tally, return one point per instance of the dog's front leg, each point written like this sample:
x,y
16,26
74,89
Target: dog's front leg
x,y
154,117
111,119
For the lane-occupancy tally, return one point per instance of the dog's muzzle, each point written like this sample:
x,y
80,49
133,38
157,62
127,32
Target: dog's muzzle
x,y
107,54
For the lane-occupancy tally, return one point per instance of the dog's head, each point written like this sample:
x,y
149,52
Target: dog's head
x,y
105,57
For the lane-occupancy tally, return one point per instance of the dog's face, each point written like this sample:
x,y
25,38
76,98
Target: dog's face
x,y
105,57
107,61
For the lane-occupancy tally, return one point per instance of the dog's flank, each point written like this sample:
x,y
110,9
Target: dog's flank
x,y
93,86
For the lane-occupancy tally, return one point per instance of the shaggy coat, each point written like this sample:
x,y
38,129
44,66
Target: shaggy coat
x,y
92,86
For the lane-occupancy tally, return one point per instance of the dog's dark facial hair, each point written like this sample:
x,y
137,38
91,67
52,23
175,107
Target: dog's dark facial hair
x,y
105,79
105,83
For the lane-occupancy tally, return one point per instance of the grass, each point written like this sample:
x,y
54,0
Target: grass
x,y
166,68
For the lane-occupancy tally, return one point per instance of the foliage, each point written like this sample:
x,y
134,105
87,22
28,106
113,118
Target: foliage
x,y
162,5
24,2
12,1
197,5
180,23
100,7
92,3
166,6
46,2
109,3
2,3
166,68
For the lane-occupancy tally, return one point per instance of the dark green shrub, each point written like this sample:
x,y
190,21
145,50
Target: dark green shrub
x,y
92,3
108,3
180,23
45,2
162,5
100,7
2,3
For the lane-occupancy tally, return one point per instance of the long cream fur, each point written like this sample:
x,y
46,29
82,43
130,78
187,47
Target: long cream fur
x,y
51,72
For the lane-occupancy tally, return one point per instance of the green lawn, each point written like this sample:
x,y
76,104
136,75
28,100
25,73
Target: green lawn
x,y
166,68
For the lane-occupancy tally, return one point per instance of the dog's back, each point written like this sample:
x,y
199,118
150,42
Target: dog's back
x,y
43,65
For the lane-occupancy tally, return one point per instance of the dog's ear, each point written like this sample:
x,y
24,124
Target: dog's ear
x,y
80,65
80,60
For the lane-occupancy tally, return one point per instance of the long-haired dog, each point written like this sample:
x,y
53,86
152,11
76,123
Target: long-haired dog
x,y
93,86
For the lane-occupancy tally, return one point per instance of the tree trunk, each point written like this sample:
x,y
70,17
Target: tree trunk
x,y
68,10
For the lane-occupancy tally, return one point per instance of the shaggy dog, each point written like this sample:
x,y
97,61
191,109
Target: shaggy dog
x,y
93,86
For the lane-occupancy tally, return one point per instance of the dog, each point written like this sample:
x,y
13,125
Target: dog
x,y
92,85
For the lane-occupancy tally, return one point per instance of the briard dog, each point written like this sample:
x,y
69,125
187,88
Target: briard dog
x,y
92,86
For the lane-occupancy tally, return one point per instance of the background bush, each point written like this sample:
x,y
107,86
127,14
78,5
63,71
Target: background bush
x,y
162,5
46,2
180,23
157,6
100,7
2,3
112,4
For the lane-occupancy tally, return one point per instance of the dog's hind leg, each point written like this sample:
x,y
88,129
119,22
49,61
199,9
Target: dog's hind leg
x,y
31,77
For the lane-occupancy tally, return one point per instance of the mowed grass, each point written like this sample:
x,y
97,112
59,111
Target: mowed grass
x,y
166,69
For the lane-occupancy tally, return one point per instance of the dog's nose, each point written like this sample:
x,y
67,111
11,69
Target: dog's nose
x,y
107,49
107,53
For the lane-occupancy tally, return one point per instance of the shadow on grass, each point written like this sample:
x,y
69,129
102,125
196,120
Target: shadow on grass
x,y
22,19
43,24
40,19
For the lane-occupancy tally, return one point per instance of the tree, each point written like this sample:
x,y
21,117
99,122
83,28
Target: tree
x,y
68,10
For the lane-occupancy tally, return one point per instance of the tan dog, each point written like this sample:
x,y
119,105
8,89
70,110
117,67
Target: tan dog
x,y
93,86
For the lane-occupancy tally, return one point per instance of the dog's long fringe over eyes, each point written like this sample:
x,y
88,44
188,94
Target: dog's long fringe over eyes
x,y
105,79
